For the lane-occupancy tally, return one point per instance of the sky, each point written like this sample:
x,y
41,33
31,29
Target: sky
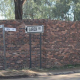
x,y
2,17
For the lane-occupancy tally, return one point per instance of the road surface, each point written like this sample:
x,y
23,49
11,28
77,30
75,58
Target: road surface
x,y
74,76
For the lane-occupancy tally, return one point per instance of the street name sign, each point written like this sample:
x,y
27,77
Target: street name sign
x,y
1,26
10,29
34,29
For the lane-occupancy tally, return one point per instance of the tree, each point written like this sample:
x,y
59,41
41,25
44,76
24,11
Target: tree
x,y
40,9
18,8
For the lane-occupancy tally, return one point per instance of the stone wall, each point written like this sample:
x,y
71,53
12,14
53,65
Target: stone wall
x,y
60,44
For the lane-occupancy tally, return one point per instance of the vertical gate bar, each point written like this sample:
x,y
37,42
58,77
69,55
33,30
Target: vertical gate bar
x,y
40,52
30,49
5,65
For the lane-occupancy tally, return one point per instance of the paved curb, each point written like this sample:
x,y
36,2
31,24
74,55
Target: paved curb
x,y
58,73
41,74
13,77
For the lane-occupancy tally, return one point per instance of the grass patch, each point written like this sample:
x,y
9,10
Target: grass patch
x,y
72,66
37,69
75,66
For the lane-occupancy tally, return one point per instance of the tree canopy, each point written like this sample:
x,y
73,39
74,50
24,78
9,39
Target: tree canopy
x,y
42,9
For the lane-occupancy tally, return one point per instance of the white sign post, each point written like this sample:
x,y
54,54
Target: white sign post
x,y
5,29
34,29
5,65
2,26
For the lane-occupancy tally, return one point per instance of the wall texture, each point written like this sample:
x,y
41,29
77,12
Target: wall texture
x,y
60,44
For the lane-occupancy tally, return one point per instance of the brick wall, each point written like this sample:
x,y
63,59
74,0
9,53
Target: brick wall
x,y
60,44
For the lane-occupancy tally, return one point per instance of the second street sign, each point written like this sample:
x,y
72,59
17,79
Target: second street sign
x,y
34,29
10,29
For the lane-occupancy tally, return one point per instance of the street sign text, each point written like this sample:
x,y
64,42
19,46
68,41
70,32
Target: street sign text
x,y
10,29
34,29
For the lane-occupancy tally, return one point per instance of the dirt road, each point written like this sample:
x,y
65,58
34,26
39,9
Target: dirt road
x,y
74,76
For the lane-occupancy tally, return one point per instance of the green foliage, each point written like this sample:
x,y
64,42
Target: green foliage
x,y
76,9
61,9
38,9
7,8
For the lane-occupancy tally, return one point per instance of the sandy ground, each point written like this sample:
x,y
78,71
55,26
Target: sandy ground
x,y
66,74
75,76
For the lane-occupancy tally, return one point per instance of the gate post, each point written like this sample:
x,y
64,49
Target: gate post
x,y
40,52
5,65
30,49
